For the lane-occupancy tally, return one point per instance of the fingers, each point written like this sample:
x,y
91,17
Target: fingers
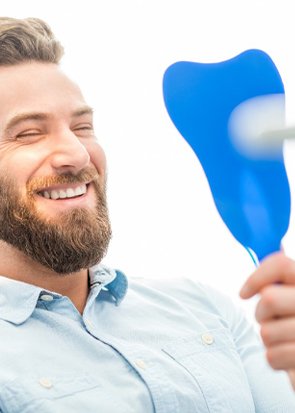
x,y
274,280
278,332
276,314
281,356
292,377
275,301
277,268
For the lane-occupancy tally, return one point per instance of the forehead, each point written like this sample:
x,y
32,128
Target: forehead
x,y
36,87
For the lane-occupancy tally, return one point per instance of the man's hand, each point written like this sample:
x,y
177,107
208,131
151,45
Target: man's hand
x,y
274,280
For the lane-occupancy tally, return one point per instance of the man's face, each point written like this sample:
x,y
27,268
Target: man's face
x,y
52,170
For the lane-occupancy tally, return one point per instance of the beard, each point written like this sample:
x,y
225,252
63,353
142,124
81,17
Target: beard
x,y
72,241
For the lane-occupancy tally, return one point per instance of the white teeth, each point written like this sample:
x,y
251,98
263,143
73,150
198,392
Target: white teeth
x,y
54,194
80,190
64,193
70,193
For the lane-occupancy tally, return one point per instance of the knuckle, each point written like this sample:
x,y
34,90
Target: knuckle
x,y
268,298
271,358
265,334
286,266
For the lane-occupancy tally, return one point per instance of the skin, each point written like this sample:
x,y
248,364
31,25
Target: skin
x,y
274,281
60,143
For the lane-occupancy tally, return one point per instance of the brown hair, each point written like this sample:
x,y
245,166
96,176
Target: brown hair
x,y
23,40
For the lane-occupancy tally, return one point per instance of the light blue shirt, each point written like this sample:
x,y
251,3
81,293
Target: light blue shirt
x,y
170,346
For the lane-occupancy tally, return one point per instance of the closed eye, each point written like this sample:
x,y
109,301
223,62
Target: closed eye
x,y
83,130
84,127
29,133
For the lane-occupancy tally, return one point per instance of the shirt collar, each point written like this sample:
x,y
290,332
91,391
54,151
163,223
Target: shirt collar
x,y
18,299
114,281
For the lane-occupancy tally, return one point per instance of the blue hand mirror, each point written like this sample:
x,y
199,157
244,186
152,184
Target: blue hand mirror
x,y
251,195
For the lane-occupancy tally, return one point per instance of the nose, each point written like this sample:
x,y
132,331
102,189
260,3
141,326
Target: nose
x,y
68,154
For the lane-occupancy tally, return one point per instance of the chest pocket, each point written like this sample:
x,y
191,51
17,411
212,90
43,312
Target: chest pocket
x,y
55,395
211,358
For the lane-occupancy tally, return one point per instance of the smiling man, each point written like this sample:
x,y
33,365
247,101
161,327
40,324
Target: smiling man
x,y
73,336
52,175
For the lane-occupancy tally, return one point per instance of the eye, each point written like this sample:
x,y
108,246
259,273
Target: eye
x,y
84,129
29,133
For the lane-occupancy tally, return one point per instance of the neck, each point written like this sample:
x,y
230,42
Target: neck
x,y
17,266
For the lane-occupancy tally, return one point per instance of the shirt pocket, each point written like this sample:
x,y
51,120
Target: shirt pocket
x,y
55,395
213,361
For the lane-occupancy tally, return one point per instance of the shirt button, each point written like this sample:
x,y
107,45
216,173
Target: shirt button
x,y
46,297
207,338
46,383
141,364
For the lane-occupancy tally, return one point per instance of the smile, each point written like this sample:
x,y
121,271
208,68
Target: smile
x,y
64,193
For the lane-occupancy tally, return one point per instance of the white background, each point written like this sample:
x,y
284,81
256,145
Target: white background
x,y
163,217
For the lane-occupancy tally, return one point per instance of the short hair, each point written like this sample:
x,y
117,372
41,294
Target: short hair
x,y
25,40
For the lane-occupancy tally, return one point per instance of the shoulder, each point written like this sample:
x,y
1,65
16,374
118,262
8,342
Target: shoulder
x,y
195,296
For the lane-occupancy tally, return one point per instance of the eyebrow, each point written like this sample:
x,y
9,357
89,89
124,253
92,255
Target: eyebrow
x,y
21,117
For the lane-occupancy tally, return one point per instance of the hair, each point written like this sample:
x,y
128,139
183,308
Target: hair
x,y
25,40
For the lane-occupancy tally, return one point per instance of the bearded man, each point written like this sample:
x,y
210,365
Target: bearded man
x,y
73,336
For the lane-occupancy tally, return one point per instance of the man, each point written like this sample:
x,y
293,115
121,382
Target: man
x,y
74,337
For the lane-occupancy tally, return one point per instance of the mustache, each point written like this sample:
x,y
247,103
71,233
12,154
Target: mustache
x,y
41,183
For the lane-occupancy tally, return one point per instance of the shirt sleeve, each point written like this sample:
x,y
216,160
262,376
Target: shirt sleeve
x,y
271,390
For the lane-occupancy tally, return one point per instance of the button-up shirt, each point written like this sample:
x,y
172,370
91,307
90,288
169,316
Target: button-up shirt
x,y
170,346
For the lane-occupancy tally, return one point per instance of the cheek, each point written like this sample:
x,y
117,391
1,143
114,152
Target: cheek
x,y
14,169
19,165
98,158
23,157
12,181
